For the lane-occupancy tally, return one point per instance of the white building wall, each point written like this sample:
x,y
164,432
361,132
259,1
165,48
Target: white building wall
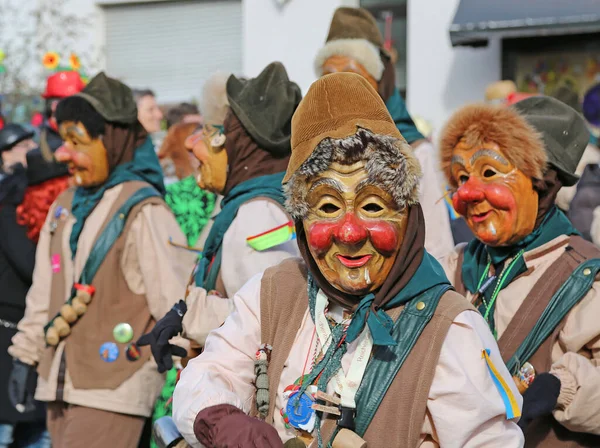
x,y
441,78
291,33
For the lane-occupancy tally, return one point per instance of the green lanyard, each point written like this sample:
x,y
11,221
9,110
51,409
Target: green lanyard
x,y
499,284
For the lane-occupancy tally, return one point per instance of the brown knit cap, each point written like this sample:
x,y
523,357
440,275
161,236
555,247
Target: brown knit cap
x,y
334,107
354,23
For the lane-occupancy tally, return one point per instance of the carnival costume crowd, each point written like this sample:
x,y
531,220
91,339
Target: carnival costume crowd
x,y
282,271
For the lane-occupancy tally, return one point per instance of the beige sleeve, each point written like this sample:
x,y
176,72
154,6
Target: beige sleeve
x,y
595,229
239,261
205,313
224,372
151,265
438,237
578,407
28,343
465,406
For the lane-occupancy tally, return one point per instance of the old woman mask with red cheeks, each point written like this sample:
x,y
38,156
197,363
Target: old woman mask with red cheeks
x,y
496,199
352,199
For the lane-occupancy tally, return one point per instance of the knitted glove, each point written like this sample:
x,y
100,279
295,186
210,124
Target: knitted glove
x,y
225,426
21,386
540,398
158,339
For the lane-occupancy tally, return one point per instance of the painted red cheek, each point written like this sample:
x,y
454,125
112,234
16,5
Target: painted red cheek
x,y
320,236
384,235
459,206
500,196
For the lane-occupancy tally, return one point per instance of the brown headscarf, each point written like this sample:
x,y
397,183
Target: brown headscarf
x,y
121,141
547,189
407,262
245,158
173,147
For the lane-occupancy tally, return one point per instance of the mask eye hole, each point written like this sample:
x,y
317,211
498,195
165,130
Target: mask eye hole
x,y
463,179
329,208
372,207
489,173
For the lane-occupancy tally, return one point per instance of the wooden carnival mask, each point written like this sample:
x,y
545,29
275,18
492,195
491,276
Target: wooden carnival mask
x,y
496,199
339,63
354,228
208,146
86,156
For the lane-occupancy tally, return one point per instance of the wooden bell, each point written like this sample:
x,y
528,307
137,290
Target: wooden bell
x,y
68,313
79,307
52,337
84,296
61,326
348,439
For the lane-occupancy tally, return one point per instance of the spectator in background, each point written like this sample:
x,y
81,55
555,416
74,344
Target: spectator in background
x,y
25,198
58,86
183,113
149,114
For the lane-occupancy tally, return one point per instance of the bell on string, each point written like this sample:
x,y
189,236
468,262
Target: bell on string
x,y
68,313
61,326
79,307
52,337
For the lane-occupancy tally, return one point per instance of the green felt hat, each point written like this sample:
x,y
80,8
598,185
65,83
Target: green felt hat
x,y
265,106
112,99
563,131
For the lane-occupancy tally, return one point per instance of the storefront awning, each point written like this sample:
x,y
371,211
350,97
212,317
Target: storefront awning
x,y
476,21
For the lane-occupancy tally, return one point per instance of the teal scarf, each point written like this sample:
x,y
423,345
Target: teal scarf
x,y
144,167
405,124
428,275
477,255
264,186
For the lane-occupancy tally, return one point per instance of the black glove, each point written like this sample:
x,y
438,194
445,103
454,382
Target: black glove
x,y
21,386
540,398
158,339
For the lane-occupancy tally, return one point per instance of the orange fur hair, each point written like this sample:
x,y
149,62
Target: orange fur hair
x,y
477,124
173,147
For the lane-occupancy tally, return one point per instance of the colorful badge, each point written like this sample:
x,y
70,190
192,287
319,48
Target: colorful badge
x,y
109,352
123,333
299,412
58,212
55,262
272,238
527,374
133,352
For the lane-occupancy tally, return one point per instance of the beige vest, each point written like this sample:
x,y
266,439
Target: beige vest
x,y
112,303
544,432
283,303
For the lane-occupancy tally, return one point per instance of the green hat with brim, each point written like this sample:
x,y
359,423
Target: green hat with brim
x,y
112,99
265,106
563,131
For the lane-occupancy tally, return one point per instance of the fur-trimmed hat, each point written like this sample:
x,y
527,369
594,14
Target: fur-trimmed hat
x,y
353,33
532,133
214,103
343,119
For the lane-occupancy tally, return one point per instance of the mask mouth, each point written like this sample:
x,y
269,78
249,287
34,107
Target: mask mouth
x,y
480,217
354,261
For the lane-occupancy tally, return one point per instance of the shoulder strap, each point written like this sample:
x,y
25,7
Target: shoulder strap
x,y
387,361
559,297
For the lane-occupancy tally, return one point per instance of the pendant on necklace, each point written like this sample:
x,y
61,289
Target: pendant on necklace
x,y
298,412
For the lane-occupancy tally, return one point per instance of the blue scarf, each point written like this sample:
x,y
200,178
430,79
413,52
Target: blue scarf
x,y
264,186
144,167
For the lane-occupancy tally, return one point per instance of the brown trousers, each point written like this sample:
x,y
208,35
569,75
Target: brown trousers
x,y
73,426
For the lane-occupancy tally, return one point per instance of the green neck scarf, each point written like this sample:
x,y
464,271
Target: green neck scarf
x,y
428,275
478,257
144,167
405,124
264,186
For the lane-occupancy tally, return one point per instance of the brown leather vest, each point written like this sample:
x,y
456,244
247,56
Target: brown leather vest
x,y
112,303
544,432
284,300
